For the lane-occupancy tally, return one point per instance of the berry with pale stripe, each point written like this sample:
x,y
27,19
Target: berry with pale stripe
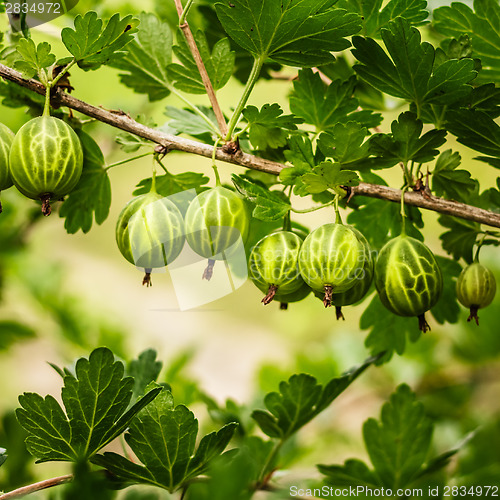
x,y
6,138
408,278
476,288
331,259
273,264
150,232
215,221
46,160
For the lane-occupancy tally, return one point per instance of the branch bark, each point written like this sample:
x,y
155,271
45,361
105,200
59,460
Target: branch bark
x,y
203,70
174,143
32,488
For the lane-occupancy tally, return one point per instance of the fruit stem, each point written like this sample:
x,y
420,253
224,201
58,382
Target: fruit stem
x,y
287,222
422,324
147,278
271,292
480,244
313,209
252,80
338,312
338,219
214,166
127,160
403,213
182,18
46,208
46,106
473,314
209,270
153,181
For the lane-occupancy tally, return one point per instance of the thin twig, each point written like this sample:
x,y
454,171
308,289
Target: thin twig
x,y
172,142
32,488
202,69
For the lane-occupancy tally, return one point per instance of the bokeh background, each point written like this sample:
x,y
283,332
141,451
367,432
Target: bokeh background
x,y
76,292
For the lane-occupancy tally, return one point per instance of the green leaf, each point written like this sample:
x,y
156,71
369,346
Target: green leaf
x,y
168,183
459,240
301,156
447,308
92,195
269,205
92,44
187,122
144,370
3,456
300,33
352,473
300,399
476,130
269,127
34,57
14,332
345,143
375,17
481,25
399,442
406,143
329,175
163,438
388,332
448,181
324,105
219,64
95,400
146,59
410,73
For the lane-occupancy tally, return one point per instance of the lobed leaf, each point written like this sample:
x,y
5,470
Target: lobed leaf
x,y
297,33
93,44
147,58
34,58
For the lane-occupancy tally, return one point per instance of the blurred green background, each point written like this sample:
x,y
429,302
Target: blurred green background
x,y
76,292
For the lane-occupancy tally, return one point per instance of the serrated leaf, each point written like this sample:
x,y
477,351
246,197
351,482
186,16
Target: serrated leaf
x,y
92,195
168,184
144,370
324,105
146,59
375,17
300,399
410,73
163,438
269,205
476,130
481,25
459,240
388,332
219,64
93,44
269,128
95,400
406,142
301,156
187,122
352,473
329,175
300,33
345,143
34,57
448,181
398,444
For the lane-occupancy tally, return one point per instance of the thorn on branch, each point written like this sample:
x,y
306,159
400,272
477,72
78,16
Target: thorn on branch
x,y
162,150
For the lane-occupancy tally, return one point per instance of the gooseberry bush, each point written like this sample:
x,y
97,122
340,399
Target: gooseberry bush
x,y
378,93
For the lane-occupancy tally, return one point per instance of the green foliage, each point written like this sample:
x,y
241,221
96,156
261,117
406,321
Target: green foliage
x,y
268,127
93,44
144,370
95,400
459,240
300,399
34,58
14,331
3,456
480,25
219,64
163,437
296,34
376,16
327,176
397,444
410,72
146,59
324,105
92,195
